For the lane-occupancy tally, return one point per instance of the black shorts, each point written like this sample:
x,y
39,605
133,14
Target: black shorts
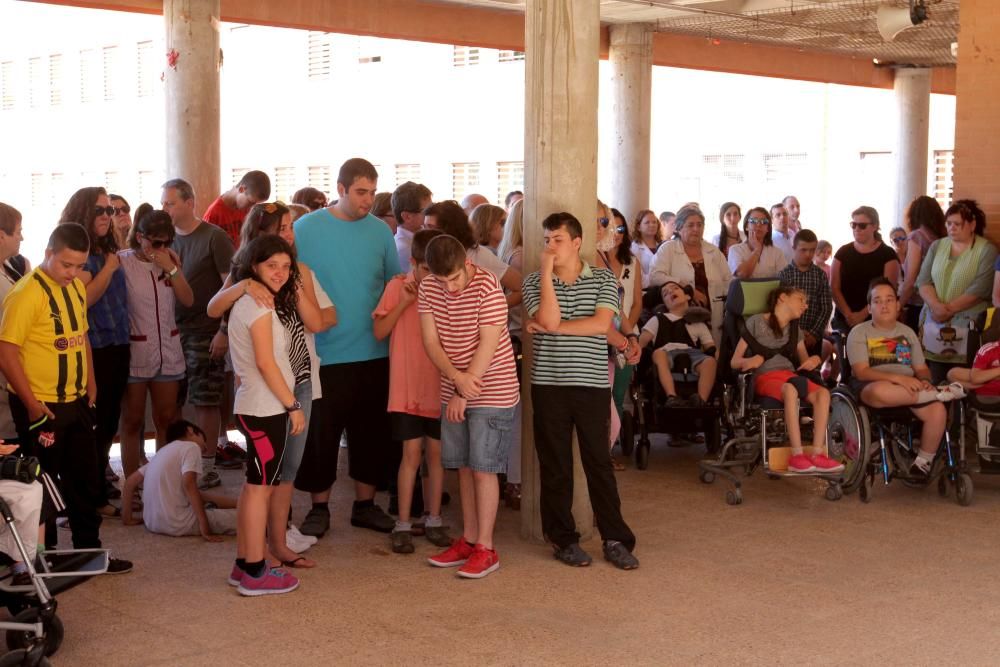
x,y
410,427
265,446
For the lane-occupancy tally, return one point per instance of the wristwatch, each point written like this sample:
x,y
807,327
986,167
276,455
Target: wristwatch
x,y
171,274
293,407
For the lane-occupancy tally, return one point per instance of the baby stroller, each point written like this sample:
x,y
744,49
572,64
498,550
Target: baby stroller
x,y
756,425
650,414
35,632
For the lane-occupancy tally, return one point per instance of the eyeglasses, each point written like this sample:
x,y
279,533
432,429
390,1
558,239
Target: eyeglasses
x,y
860,225
899,239
122,210
620,229
757,221
104,210
604,222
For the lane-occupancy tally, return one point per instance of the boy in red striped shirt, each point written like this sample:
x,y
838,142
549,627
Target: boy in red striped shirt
x,y
463,320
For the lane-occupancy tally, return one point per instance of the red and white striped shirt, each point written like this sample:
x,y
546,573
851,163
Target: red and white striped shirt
x,y
458,318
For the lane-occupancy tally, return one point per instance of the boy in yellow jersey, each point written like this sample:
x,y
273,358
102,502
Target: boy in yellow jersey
x,y
45,356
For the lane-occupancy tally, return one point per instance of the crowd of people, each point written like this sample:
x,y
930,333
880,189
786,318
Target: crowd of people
x,y
391,325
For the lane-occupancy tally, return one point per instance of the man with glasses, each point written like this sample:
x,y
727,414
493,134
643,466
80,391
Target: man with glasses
x,y
408,203
231,207
206,254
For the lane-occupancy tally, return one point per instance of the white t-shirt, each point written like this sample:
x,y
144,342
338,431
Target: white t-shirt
x,y
484,258
165,506
771,260
253,396
699,332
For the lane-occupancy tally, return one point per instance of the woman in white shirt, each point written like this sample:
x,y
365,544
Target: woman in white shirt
x,y
647,235
690,260
756,257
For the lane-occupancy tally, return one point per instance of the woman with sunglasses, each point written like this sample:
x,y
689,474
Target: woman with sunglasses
x,y
730,233
153,284
690,260
854,267
121,220
107,319
614,252
926,220
757,257
956,283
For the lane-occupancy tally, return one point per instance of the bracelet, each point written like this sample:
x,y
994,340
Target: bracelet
x,y
173,273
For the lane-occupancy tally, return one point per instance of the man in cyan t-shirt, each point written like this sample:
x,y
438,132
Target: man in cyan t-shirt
x,y
353,255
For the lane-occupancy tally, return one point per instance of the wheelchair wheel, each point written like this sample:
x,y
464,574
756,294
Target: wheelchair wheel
x,y
834,492
849,437
734,497
21,658
706,477
18,639
865,490
642,455
963,489
627,436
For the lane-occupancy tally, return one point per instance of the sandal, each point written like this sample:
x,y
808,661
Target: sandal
x,y
299,563
113,513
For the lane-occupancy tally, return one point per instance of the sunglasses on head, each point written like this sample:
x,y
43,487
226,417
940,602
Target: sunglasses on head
x,y
860,225
604,222
121,210
104,210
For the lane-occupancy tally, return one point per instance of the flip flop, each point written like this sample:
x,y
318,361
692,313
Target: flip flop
x,y
294,563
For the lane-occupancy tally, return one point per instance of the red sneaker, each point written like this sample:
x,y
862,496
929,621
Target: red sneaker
x,y
453,556
480,563
800,463
825,464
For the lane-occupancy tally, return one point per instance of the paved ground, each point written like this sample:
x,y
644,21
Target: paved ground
x,y
786,578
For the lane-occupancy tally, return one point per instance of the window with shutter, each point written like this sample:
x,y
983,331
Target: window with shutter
x,y
464,178
510,176
944,165
319,55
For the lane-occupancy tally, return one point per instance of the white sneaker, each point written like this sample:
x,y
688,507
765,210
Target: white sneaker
x,y
951,392
293,530
297,544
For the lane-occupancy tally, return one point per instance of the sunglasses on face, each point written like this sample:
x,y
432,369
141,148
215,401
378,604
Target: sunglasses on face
x,y
620,229
604,222
158,244
122,210
104,210
757,221
899,239
860,225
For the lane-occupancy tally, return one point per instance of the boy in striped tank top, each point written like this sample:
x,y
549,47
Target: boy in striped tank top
x,y
463,321
571,305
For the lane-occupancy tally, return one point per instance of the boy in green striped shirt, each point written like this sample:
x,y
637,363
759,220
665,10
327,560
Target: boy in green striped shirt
x,y
571,305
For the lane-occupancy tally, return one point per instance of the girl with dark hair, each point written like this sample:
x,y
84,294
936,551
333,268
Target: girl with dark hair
x,y
270,357
777,376
757,257
855,265
121,220
730,233
316,313
647,235
925,219
153,283
955,282
107,318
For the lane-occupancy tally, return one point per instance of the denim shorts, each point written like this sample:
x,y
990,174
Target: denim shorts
x,y
697,356
295,445
481,442
158,378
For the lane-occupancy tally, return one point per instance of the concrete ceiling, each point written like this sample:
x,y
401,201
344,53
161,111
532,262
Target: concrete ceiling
x,y
845,27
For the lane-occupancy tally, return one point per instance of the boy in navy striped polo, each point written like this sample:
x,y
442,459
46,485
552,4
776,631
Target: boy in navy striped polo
x,y
571,305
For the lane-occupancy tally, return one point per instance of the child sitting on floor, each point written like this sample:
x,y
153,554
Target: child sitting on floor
x,y
672,334
771,340
172,503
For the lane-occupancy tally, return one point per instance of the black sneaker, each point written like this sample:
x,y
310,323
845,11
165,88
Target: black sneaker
x,y
402,542
118,565
920,472
316,523
573,555
372,517
696,401
674,402
618,555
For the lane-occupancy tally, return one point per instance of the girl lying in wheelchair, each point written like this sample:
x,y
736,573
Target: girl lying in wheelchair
x,y
888,370
772,340
673,334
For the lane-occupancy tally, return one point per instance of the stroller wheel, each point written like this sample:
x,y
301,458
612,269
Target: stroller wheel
x,y
20,639
963,489
22,658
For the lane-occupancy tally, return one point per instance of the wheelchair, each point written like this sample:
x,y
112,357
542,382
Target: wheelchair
x,y
755,426
649,413
877,443
982,413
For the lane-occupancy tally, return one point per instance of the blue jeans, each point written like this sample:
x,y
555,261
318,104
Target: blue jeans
x,y
295,445
481,442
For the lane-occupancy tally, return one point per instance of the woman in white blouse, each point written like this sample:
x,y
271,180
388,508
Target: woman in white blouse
x,y
756,257
690,260
647,235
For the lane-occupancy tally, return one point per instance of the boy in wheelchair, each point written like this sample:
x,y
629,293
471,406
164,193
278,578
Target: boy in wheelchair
x,y
888,370
772,339
672,335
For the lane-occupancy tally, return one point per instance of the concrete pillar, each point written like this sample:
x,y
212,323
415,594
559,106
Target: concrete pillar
x,y
562,40
977,145
631,57
913,104
192,93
